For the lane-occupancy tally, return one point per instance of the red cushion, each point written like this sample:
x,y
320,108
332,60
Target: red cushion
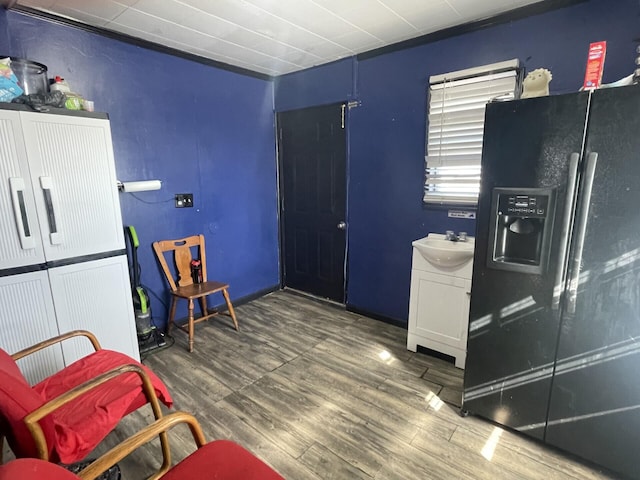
x,y
83,423
218,460
17,400
222,460
34,469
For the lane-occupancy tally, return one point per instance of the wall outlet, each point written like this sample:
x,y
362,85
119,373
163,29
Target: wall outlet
x,y
184,200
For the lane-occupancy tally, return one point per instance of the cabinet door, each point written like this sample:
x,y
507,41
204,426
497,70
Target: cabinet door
x,y
73,175
19,233
441,311
95,296
26,318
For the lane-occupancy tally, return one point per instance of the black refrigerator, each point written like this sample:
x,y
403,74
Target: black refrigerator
x,y
554,329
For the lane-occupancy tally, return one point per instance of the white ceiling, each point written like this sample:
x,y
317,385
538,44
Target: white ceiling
x,y
275,37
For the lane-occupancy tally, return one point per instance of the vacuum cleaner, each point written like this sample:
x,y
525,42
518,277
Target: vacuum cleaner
x,y
149,337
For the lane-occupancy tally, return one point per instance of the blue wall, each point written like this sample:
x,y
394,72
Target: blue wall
x,y
387,131
197,128
210,132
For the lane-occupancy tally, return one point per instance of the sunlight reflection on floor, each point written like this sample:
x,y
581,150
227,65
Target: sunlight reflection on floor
x,y
492,442
386,357
434,401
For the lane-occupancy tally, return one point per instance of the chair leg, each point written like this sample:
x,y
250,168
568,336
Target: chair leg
x,y
230,307
191,326
203,306
172,313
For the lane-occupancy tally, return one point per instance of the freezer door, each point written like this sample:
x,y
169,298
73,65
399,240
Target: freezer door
x,y
528,145
73,174
595,403
20,242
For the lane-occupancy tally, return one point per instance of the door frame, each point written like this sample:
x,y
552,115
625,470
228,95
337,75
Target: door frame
x,y
279,169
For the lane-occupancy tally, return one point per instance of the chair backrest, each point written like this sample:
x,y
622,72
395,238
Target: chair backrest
x,y
17,400
182,256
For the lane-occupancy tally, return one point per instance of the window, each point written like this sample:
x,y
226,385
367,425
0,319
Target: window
x,y
457,102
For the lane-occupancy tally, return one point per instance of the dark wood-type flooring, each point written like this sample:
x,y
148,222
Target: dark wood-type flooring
x,y
320,393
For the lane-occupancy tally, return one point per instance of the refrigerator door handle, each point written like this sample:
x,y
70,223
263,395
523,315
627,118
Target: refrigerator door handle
x,y
574,160
51,204
581,227
17,186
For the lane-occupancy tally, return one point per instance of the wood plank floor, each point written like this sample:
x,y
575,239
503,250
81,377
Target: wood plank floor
x,y
320,393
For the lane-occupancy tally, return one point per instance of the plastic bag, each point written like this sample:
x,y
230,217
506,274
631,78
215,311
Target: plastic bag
x,y
9,88
41,102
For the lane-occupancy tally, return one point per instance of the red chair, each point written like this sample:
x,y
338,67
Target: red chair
x,y
65,416
219,460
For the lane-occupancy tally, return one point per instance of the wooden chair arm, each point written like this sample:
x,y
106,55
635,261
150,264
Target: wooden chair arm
x,y
120,451
52,341
32,419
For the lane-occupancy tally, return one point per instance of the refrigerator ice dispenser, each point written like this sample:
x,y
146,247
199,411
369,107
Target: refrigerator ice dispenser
x,y
520,230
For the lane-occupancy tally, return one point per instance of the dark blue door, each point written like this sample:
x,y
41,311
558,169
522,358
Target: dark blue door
x,y
312,152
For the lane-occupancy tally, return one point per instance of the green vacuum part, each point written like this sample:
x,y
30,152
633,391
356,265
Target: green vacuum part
x,y
143,299
134,236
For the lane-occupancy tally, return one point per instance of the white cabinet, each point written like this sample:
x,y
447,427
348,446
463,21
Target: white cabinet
x,y
439,307
62,259
95,296
27,316
74,180
20,242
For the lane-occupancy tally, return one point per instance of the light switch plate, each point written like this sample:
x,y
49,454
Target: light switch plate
x,y
184,200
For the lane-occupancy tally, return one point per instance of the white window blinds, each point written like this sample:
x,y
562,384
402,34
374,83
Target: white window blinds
x,y
457,102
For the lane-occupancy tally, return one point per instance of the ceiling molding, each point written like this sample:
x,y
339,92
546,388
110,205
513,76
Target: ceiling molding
x,y
243,54
512,15
122,37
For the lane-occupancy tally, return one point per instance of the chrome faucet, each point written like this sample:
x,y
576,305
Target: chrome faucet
x,y
451,236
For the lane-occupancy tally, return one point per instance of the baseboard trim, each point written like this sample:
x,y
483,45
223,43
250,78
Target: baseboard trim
x,y
249,298
236,302
376,316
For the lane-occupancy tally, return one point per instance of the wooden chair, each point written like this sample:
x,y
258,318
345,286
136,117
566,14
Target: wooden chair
x,y
220,459
183,285
64,417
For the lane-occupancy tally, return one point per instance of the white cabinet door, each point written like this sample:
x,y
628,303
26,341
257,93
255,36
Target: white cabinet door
x,y
441,306
73,175
26,318
439,313
95,296
20,242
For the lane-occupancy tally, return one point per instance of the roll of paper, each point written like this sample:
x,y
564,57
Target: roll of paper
x,y
142,186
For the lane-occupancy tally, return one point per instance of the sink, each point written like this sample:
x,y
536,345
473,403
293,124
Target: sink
x,y
445,253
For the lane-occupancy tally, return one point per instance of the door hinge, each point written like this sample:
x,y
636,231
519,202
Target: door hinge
x,y
343,107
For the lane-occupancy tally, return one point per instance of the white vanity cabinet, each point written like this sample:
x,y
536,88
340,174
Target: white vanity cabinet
x,y
439,302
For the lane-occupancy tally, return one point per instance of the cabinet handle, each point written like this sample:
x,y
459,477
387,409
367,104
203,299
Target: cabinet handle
x,y
17,186
50,203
